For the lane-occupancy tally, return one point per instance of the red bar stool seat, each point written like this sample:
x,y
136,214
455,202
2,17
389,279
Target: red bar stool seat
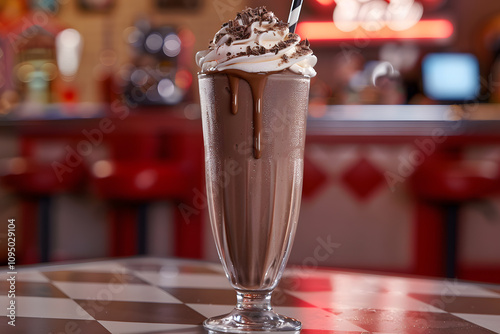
x,y
35,183
456,181
444,184
137,175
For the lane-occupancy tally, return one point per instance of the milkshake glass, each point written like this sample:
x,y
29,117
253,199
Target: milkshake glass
x,y
254,133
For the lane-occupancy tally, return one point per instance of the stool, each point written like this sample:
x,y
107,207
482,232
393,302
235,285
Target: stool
x,y
442,185
35,183
142,170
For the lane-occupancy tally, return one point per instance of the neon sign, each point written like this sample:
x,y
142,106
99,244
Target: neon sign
x,y
424,29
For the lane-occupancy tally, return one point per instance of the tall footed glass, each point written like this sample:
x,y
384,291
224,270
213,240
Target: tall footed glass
x,y
254,130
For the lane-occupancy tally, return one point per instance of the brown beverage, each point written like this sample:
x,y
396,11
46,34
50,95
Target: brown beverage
x,y
254,184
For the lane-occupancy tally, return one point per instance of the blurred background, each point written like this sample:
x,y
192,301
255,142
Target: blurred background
x,y
101,147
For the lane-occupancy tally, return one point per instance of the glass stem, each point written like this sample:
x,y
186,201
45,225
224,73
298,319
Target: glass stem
x,y
253,301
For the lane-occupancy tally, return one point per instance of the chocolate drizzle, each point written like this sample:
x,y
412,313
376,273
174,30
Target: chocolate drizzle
x,y
257,82
234,83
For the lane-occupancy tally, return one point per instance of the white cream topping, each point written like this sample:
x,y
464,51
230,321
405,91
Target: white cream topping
x,y
229,53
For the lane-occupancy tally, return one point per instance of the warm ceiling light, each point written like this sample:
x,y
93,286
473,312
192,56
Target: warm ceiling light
x,y
424,29
325,2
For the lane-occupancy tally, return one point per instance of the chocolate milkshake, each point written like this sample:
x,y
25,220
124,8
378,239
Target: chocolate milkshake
x,y
254,188
254,88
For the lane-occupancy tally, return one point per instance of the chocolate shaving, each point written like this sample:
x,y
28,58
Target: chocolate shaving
x,y
291,38
302,49
304,43
281,25
258,32
278,47
244,17
218,37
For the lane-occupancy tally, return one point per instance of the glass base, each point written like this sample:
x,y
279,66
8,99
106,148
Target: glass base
x,y
244,321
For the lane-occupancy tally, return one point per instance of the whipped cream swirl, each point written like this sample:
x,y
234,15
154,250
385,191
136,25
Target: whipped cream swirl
x,y
257,41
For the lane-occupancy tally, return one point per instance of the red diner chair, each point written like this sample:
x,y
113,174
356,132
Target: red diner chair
x,y
35,182
142,169
442,184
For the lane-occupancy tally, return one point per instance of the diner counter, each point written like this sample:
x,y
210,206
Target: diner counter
x,y
154,295
478,120
402,123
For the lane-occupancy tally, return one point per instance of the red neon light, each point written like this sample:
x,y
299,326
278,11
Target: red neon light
x,y
424,29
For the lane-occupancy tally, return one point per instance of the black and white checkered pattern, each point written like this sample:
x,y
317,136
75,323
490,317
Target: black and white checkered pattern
x,y
149,295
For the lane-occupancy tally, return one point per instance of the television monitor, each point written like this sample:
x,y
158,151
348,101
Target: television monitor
x,y
451,76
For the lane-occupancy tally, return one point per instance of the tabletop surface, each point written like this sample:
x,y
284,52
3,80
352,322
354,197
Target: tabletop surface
x,y
152,295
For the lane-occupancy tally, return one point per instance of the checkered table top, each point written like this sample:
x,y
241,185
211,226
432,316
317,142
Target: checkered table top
x,y
150,295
